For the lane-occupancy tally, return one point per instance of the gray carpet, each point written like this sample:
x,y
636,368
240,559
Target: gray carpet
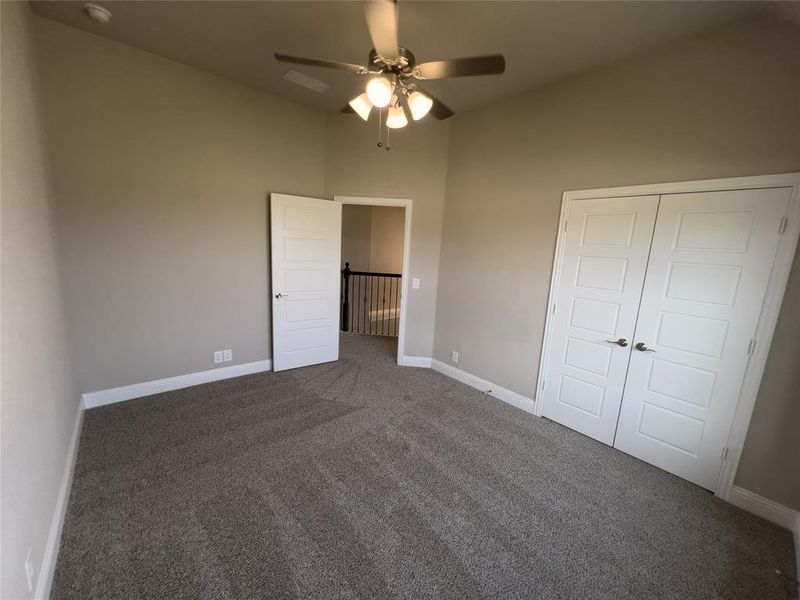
x,y
361,479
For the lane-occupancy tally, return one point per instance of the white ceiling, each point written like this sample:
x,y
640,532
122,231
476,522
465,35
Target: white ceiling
x,y
542,41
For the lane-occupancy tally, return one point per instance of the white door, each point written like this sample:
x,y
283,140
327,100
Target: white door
x,y
306,248
600,284
709,266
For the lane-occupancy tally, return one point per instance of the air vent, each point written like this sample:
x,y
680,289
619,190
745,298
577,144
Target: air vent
x,y
305,81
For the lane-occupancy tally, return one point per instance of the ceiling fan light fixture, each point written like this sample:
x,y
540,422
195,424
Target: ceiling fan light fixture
x,y
379,91
419,104
362,106
396,119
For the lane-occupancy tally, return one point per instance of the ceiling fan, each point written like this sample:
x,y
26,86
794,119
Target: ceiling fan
x,y
393,72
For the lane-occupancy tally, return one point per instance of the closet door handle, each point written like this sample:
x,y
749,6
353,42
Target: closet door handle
x,y
642,348
620,342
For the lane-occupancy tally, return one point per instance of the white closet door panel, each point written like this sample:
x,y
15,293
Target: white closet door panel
x,y
600,284
709,267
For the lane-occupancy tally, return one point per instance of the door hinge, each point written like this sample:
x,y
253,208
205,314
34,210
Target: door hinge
x,y
554,308
565,225
544,381
782,227
724,453
751,346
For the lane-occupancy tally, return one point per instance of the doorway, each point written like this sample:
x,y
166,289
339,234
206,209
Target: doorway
x,y
376,241
306,242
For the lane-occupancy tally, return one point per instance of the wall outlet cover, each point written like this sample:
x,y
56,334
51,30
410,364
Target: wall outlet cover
x,y
415,283
218,358
454,356
227,355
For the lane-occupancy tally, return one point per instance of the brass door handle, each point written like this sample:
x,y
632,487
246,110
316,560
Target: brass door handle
x,y
642,348
620,342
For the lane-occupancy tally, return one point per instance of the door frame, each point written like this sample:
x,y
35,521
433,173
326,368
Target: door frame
x,y
770,310
407,204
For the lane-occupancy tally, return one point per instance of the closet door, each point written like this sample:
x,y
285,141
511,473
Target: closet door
x,y
709,266
600,284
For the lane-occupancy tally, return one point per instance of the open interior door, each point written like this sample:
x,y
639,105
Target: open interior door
x,y
306,273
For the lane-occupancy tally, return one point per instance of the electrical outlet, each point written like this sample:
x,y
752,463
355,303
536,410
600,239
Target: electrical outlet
x,y
218,358
415,283
454,357
29,571
227,355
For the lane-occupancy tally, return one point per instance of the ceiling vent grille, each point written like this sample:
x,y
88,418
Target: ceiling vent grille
x,y
303,80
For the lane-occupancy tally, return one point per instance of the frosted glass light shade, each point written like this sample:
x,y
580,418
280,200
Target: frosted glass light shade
x,y
379,91
419,104
362,106
396,119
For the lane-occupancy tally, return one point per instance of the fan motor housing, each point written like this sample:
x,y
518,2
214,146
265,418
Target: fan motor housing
x,y
402,65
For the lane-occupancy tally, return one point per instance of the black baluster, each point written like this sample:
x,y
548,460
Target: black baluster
x,y
392,316
398,300
373,307
353,301
346,301
354,306
367,314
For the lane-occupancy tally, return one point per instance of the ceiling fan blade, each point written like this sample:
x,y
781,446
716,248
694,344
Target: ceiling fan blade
x,y
326,64
403,99
439,110
493,64
382,25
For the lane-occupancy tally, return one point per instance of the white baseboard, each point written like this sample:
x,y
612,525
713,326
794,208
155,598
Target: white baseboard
x,y
148,388
764,508
797,548
416,361
771,511
499,392
44,580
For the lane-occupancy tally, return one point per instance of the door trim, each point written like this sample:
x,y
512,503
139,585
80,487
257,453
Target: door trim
x,y
769,311
407,204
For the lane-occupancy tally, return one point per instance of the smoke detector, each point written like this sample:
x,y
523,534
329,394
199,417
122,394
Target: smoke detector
x,y
97,12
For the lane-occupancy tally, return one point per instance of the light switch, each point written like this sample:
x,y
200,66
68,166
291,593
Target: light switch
x,y
415,283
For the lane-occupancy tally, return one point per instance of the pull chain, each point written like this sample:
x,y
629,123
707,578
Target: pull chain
x,y
380,128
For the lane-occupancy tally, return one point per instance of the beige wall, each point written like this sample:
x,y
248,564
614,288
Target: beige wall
x,y
372,238
719,105
415,168
386,248
163,174
39,395
770,464
356,236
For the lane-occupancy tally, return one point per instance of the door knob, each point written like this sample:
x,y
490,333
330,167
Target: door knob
x,y
279,295
620,342
642,348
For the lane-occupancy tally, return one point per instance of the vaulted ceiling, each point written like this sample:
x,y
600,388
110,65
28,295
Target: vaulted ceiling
x,y
542,41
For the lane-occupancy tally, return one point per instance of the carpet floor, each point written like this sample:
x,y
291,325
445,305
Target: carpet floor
x,y
362,479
